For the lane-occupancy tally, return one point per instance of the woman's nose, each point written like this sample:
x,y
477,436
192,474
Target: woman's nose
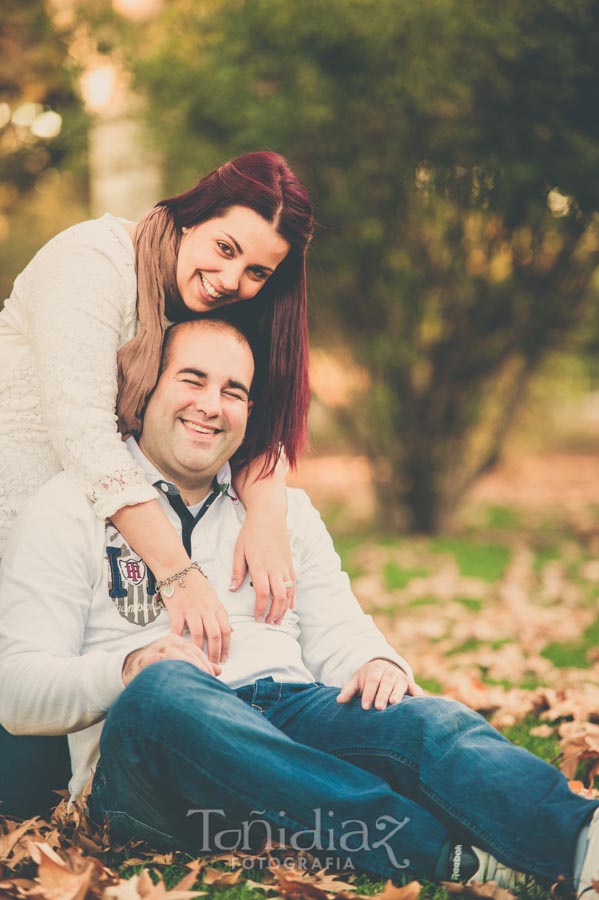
x,y
230,276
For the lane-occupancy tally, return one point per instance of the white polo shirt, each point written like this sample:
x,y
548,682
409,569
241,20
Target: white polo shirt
x,y
75,600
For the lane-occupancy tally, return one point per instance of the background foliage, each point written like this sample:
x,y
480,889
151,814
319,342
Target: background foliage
x,y
451,148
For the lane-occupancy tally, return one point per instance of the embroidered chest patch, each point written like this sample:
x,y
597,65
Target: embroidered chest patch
x,y
131,584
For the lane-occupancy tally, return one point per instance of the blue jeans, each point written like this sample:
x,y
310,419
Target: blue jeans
x,y
188,763
31,769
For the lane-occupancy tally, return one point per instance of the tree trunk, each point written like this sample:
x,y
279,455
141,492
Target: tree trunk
x,y
407,496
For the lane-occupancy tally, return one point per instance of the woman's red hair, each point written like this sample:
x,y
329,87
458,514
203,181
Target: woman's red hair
x,y
275,320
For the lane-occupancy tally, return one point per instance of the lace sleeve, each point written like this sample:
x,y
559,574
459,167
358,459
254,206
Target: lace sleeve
x,y
78,300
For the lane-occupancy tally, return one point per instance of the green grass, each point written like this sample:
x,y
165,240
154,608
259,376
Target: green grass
x,y
474,643
485,561
346,547
474,604
530,682
544,556
574,653
423,601
397,578
566,656
503,517
431,685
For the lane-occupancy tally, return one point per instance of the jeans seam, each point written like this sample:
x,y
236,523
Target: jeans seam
x,y
481,832
377,753
386,872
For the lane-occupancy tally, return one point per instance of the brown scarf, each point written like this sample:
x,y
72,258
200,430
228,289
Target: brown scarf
x,y
156,249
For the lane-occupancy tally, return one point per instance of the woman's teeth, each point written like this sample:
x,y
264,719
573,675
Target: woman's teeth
x,y
210,290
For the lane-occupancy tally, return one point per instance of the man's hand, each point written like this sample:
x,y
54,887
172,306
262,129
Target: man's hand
x,y
380,682
171,646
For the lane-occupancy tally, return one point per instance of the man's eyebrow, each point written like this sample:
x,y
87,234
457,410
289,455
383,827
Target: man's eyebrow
x,y
189,370
238,385
239,250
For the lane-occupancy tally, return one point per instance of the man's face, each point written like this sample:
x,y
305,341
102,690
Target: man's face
x,y
196,418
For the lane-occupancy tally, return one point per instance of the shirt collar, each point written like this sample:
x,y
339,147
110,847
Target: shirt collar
x,y
221,481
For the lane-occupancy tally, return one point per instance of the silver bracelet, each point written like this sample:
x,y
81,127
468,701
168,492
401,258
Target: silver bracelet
x,y
164,587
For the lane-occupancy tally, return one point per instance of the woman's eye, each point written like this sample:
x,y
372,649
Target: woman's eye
x,y
258,274
226,248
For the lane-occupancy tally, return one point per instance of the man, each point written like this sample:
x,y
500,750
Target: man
x,y
374,776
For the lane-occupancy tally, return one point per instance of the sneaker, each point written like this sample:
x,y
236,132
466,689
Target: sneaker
x,y
468,864
585,880
490,869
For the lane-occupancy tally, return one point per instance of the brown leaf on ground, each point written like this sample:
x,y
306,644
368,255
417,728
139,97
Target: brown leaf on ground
x,y
124,890
188,881
334,885
162,859
542,731
141,887
259,885
222,879
58,881
295,883
489,890
17,887
73,878
579,742
409,891
13,834
580,704
578,787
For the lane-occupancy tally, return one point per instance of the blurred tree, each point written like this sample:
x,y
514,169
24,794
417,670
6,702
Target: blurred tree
x,y
452,148
36,92
42,127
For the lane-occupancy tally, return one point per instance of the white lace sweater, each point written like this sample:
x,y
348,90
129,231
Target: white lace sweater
x,y
70,310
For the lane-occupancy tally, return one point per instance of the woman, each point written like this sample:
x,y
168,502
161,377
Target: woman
x,y
90,310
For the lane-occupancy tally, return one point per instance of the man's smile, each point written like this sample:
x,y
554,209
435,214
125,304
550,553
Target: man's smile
x,y
200,427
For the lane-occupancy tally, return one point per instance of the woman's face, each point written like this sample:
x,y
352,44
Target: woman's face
x,y
227,259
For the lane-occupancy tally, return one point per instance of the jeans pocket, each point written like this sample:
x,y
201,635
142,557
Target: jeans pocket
x,y
125,828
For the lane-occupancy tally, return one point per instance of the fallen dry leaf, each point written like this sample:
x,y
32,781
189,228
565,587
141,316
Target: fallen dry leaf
x,y
542,731
141,887
579,742
489,890
14,833
409,891
58,883
222,879
296,883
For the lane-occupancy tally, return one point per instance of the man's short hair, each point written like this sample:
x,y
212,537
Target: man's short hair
x,y
214,323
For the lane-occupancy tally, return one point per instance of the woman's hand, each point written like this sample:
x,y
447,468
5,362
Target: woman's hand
x,y
263,542
149,533
197,606
263,547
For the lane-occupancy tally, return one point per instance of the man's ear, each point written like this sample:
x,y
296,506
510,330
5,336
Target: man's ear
x,y
250,405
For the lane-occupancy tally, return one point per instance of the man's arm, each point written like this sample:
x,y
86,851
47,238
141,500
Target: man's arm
x,y
49,572
336,636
